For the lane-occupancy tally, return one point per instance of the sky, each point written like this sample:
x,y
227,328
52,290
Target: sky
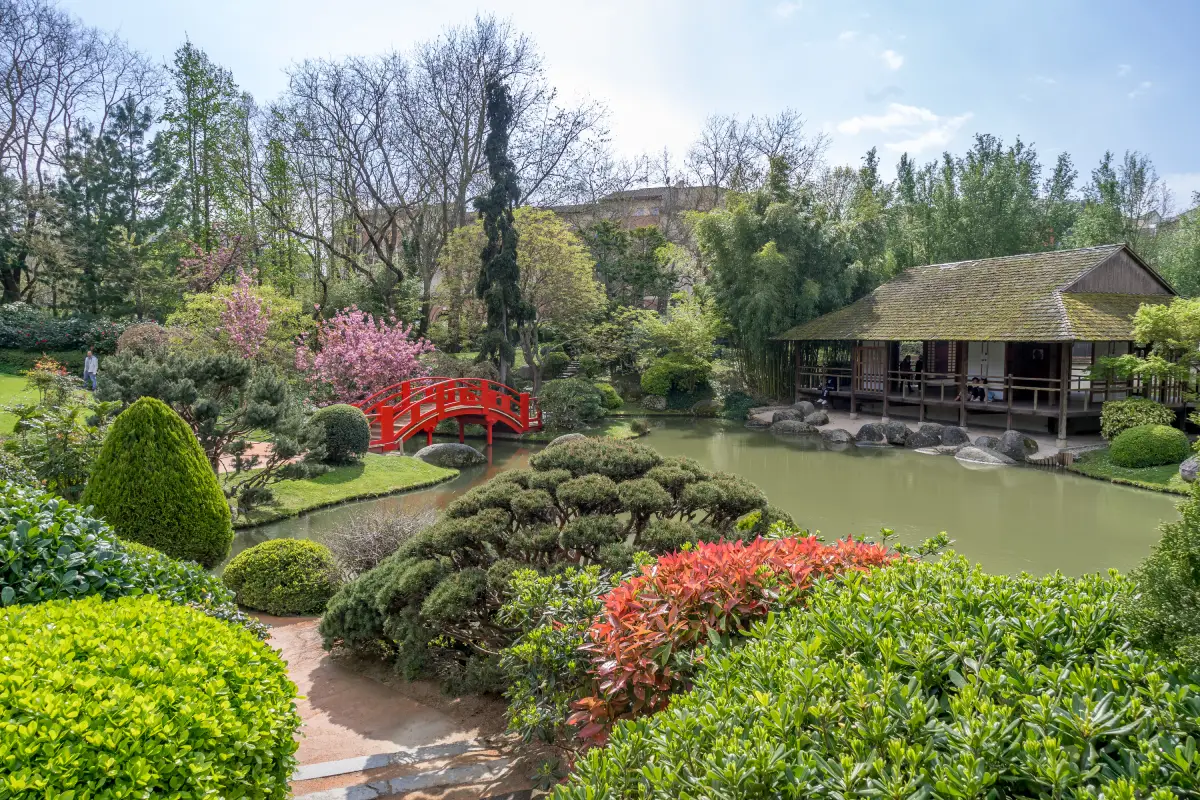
x,y
916,76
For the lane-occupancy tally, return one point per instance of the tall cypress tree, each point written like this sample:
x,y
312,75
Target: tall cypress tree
x,y
499,277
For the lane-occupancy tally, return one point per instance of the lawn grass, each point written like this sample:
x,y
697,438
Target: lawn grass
x,y
375,476
14,389
1097,464
605,429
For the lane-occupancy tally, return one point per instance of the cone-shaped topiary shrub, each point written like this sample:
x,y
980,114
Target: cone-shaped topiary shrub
x,y
284,576
153,485
345,432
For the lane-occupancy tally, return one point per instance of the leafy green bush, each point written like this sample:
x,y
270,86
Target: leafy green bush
x,y
139,697
589,366
921,680
344,431
590,501
14,470
545,668
59,441
737,405
1119,416
553,364
154,486
284,576
55,550
1149,446
611,399
1165,609
570,403
677,371
24,327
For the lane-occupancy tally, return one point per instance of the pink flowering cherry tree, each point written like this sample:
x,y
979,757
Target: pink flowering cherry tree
x,y
245,318
357,354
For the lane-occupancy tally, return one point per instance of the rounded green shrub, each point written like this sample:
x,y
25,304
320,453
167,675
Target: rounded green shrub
x,y
1149,446
611,399
676,371
153,485
139,697
570,403
554,363
920,680
1119,416
344,432
284,576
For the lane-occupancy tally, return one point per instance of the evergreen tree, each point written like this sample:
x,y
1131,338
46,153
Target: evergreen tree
x,y
499,277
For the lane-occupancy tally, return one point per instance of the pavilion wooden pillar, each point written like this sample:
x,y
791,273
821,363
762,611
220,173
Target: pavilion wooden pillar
x,y
854,380
1064,393
960,367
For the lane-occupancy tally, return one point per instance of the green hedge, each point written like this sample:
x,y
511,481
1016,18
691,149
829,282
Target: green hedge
x,y
570,403
675,371
140,698
284,576
54,550
612,400
345,432
18,362
1121,415
1149,446
921,680
153,484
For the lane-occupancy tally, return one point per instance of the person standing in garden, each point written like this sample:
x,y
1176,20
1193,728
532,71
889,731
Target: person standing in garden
x,y
91,365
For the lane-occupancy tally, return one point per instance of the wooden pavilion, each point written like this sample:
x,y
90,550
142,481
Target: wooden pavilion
x,y
1015,336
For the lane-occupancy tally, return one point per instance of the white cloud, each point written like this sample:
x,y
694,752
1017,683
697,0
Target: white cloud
x,y
1123,70
1141,89
847,36
787,8
893,59
920,128
1044,80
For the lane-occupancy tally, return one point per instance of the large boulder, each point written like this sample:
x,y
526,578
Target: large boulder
x,y
837,436
787,414
804,407
706,408
872,433
817,418
451,455
928,435
952,434
566,437
763,419
987,442
897,433
1016,445
654,402
792,427
1189,468
982,455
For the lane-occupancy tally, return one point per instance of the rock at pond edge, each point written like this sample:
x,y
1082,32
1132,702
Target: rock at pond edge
x,y
451,455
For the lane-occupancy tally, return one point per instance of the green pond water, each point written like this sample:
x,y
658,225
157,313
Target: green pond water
x,y
1008,519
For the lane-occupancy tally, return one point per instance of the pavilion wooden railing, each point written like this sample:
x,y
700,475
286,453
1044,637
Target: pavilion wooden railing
x,y
1038,395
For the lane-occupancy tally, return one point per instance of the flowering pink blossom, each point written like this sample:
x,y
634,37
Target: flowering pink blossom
x,y
357,354
205,270
245,317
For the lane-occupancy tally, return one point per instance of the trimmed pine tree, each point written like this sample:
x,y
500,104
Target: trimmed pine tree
x,y
153,485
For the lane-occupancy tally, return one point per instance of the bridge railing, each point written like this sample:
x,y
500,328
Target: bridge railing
x,y
419,404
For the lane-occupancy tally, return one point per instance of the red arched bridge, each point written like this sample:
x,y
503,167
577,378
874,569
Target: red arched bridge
x,y
400,412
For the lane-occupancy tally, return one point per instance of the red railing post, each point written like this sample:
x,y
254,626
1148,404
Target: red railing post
x,y
525,410
387,433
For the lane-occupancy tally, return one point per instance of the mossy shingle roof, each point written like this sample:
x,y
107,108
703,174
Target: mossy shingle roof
x,y
1014,298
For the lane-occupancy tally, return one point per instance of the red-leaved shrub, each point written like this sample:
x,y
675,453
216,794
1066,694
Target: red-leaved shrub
x,y
642,644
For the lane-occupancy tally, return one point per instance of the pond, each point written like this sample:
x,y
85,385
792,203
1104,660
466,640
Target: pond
x,y
1008,519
